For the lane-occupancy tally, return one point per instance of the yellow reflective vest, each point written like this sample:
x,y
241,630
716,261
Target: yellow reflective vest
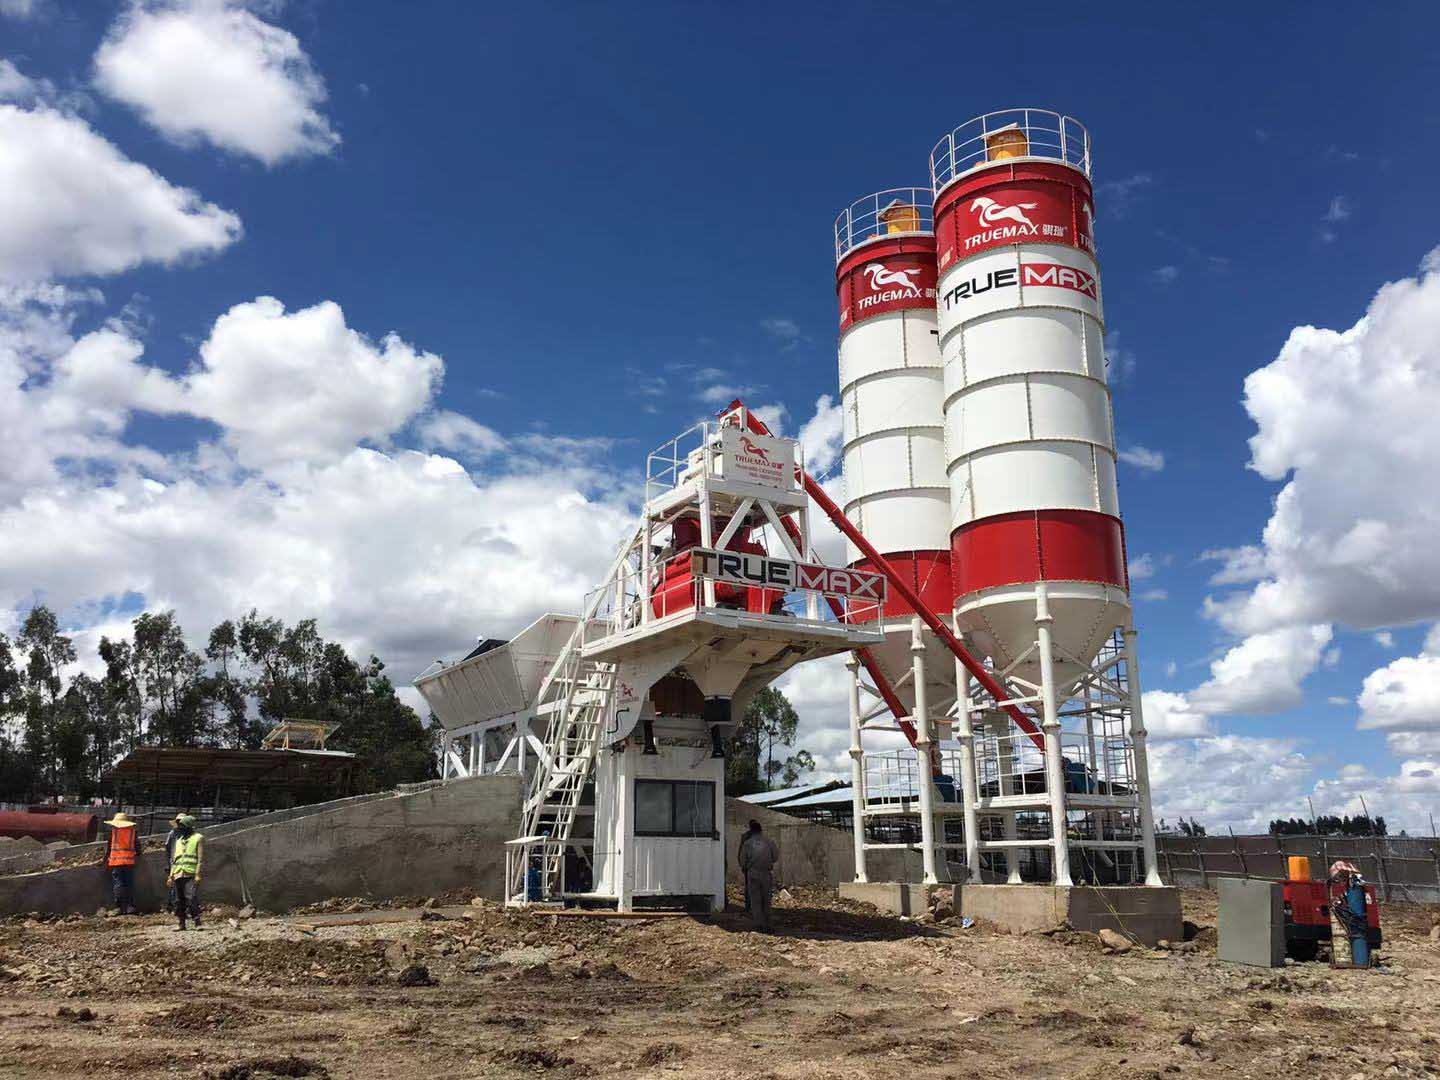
x,y
186,860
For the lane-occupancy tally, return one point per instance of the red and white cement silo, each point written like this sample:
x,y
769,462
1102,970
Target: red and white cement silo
x,y
1037,550
1031,446
892,394
892,389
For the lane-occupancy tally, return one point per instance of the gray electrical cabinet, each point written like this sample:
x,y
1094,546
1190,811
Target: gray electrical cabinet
x,y
1252,922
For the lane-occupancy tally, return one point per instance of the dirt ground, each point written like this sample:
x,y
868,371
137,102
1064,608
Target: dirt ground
x,y
840,992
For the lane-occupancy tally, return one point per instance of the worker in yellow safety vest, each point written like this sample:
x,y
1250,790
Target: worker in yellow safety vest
x,y
185,865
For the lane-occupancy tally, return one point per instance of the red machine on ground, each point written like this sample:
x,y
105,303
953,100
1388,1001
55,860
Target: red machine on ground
x,y
1307,911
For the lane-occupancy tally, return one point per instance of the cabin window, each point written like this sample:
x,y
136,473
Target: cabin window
x,y
675,808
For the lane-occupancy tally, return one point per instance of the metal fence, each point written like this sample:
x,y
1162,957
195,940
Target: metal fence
x,y
1403,868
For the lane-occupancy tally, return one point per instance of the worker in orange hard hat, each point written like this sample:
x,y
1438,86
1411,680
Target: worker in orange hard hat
x,y
122,851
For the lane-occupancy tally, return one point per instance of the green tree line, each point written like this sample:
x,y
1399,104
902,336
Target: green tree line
x,y
60,729
1330,825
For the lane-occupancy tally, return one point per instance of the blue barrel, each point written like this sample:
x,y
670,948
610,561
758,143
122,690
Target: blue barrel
x,y
532,884
1357,924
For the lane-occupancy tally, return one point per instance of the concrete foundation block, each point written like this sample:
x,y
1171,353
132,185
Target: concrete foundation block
x,y
893,897
1146,914
1252,922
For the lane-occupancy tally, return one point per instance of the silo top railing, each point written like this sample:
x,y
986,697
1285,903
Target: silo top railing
x,y
892,212
1009,134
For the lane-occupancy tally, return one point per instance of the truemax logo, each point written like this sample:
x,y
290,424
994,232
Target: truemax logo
x,y
781,574
1010,224
757,459
1045,275
905,286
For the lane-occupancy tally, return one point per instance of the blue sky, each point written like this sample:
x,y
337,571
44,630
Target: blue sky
x,y
596,214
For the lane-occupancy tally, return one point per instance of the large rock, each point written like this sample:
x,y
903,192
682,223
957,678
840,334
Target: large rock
x,y
1115,942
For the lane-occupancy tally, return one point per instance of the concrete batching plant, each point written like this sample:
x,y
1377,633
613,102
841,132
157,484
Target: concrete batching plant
x,y
984,598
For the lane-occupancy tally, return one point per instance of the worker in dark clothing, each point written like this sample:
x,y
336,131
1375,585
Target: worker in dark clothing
x,y
758,856
170,838
122,851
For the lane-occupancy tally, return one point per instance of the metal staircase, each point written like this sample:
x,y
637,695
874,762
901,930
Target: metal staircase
x,y
577,698
581,711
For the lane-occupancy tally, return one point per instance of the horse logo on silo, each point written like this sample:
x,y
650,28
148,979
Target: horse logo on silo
x,y
991,213
880,277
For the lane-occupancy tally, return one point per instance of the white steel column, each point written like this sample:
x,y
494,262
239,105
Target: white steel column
x,y
857,768
1005,763
923,746
1054,766
1142,760
624,828
812,601
968,790
645,566
707,530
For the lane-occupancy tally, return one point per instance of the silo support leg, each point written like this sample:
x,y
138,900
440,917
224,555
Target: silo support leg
x,y
857,769
924,766
1142,760
1050,725
968,790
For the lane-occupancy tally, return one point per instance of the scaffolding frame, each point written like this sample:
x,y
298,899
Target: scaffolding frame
x,y
1083,788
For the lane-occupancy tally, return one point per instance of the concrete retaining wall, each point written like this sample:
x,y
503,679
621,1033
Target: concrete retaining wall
x,y
413,842
417,842
71,854
811,854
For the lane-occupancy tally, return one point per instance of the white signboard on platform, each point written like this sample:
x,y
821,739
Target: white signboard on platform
x,y
758,459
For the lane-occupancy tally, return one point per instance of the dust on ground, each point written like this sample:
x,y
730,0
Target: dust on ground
x,y
469,990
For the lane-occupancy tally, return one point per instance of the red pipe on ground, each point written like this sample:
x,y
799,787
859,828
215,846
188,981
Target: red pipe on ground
x,y
49,827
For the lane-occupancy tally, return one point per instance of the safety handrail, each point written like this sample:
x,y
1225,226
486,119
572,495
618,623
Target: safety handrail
x,y
892,212
1038,133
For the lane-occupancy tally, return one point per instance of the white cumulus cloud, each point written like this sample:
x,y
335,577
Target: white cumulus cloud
x,y
820,436
1263,673
1171,716
394,550
1347,420
1404,695
1142,457
212,70
1231,780
73,204
303,385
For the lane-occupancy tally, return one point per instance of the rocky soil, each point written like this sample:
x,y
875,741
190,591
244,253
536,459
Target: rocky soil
x,y
467,990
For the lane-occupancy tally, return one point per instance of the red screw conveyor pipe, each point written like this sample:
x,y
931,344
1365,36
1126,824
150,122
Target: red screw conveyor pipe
x,y
898,583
